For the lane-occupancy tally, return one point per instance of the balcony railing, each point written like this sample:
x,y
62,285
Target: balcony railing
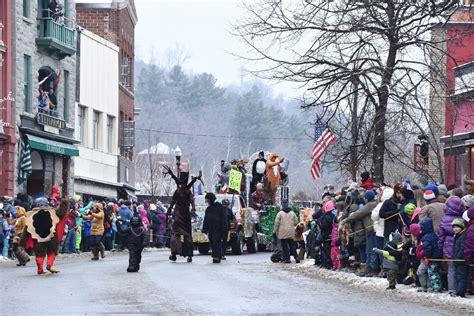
x,y
56,38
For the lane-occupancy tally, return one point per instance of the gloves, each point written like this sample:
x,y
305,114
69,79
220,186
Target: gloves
x,y
427,261
377,251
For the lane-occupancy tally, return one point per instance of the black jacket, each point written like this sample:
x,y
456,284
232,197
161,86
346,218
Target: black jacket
x,y
326,225
215,219
387,212
459,239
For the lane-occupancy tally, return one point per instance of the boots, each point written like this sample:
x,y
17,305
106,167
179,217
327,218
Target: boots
x,y
102,250
50,262
39,264
361,269
95,253
22,256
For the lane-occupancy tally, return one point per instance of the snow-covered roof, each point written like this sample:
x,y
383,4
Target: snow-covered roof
x,y
158,149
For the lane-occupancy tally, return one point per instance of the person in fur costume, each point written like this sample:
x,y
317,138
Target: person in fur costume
x,y
273,177
45,225
136,241
20,224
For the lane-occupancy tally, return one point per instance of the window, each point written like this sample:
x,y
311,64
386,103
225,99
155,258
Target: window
x,y
81,118
27,82
125,74
95,130
110,131
66,96
26,8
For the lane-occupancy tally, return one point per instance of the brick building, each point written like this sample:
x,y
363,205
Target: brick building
x,y
45,71
451,110
7,129
115,20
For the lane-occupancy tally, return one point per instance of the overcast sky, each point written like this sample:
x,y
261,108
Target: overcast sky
x,y
202,27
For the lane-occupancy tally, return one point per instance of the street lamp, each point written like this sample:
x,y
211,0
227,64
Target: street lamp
x,y
178,154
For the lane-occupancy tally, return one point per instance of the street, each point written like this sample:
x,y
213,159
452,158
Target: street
x,y
242,284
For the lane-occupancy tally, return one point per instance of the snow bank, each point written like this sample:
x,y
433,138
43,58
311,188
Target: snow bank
x,y
380,284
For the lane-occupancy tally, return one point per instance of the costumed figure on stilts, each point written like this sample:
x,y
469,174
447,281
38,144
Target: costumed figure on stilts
x,y
45,226
273,176
184,209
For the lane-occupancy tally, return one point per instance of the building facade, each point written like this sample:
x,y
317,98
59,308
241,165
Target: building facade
x,y
45,72
97,111
7,129
115,20
451,99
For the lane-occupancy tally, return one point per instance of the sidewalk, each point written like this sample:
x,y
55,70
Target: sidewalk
x,y
379,285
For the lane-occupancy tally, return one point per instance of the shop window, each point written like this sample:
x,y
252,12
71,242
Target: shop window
x,y
48,83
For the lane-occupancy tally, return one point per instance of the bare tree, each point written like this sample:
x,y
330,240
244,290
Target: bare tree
x,y
372,52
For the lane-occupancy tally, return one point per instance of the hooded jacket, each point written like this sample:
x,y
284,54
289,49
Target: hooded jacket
x,y
375,216
126,215
434,210
429,240
389,212
364,215
454,209
469,239
20,223
55,192
285,223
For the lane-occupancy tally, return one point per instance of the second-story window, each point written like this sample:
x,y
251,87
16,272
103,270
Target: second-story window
x,y
125,75
110,131
95,130
81,117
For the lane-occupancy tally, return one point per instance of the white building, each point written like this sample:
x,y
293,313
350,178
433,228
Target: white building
x,y
97,111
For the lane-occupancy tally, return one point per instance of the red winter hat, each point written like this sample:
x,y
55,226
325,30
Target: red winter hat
x,y
415,230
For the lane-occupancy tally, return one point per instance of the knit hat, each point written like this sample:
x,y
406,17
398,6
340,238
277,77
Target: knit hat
x,y
442,189
432,187
429,195
454,204
468,200
415,230
369,195
330,206
285,204
458,222
407,193
410,208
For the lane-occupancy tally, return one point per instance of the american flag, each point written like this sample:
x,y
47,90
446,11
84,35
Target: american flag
x,y
323,138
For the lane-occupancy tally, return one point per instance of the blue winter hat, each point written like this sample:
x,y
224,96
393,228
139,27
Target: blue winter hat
x,y
369,195
432,187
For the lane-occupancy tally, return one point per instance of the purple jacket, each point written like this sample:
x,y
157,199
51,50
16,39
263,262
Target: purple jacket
x,y
445,231
469,242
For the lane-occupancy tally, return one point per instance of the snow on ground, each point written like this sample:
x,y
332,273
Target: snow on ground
x,y
379,284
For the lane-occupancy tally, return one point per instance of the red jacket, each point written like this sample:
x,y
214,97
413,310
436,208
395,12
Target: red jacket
x,y
368,184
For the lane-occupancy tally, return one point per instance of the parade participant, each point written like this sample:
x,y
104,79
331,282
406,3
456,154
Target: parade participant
x,y
230,219
20,223
96,215
272,176
181,237
259,197
392,256
135,236
215,226
258,170
45,225
284,228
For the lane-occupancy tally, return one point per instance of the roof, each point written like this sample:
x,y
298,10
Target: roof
x,y
158,149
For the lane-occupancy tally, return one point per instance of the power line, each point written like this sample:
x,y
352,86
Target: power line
x,y
221,136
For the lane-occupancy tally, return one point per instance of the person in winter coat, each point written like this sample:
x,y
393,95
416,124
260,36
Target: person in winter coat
x,y
20,224
429,241
96,215
407,205
55,193
143,215
379,224
392,255
367,181
434,209
327,220
364,215
284,228
156,224
230,219
469,243
461,268
453,210
215,226
125,214
135,237
390,212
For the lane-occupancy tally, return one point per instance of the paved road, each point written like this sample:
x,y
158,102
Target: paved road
x,y
242,284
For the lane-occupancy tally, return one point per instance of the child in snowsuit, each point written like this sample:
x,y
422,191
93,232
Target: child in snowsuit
x,y
392,255
135,236
429,242
461,273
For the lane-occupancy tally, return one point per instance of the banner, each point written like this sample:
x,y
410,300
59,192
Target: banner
x,y
235,179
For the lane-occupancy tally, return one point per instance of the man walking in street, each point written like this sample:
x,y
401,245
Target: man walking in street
x,y
284,229
215,226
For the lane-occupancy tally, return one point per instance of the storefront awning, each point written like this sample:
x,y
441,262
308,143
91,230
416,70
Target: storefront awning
x,y
131,194
52,146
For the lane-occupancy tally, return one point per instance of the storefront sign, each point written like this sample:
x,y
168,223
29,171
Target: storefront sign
x,y
45,119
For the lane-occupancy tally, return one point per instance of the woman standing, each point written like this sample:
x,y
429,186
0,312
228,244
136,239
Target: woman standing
x,y
96,215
